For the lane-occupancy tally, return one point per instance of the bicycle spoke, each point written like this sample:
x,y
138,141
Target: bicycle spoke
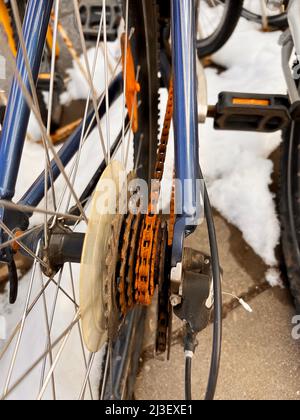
x,y
105,374
30,76
33,305
209,17
17,346
80,335
85,138
91,84
48,345
30,103
71,49
106,81
39,360
87,378
19,237
24,247
57,358
29,209
49,119
74,170
18,326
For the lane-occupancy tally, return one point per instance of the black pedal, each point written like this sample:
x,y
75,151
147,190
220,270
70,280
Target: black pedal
x,y
252,112
91,12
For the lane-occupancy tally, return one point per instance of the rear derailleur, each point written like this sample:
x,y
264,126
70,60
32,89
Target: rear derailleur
x,y
194,302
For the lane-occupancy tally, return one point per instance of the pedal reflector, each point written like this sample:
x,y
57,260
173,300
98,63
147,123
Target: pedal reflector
x,y
249,102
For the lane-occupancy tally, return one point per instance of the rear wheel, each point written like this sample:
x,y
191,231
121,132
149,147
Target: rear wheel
x,y
44,355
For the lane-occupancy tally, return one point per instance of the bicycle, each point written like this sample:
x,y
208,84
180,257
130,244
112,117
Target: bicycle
x,y
126,259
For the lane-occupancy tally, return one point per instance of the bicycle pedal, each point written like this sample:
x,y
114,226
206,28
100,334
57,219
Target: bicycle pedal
x,y
91,12
251,112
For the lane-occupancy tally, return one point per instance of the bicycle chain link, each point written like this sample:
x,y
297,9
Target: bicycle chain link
x,y
145,282
135,263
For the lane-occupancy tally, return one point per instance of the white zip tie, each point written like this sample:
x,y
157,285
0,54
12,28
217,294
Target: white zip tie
x,y
246,306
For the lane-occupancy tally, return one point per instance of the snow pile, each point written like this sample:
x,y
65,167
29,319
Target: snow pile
x,y
70,371
273,277
78,86
236,165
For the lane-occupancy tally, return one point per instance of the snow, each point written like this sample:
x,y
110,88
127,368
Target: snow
x,y
237,169
77,86
69,374
237,165
273,277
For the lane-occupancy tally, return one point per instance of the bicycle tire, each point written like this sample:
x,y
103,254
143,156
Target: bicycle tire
x,y
289,207
219,38
278,21
143,16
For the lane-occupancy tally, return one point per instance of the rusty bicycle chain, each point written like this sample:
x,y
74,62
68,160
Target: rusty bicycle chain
x,y
145,276
136,254
123,274
163,318
128,256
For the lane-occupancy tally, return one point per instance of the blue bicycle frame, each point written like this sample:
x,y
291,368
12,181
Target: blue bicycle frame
x,y
185,121
185,114
18,112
